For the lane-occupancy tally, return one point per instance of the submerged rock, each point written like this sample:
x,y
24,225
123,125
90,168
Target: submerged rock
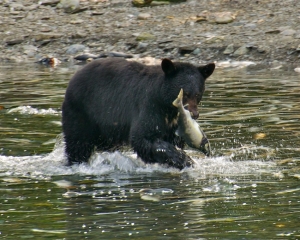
x,y
75,48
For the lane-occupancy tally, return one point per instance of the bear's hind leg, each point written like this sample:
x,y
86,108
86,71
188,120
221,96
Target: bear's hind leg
x,y
78,151
79,134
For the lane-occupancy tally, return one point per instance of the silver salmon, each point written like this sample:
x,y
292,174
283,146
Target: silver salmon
x,y
189,129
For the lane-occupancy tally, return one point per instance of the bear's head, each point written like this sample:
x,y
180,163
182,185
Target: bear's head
x,y
188,77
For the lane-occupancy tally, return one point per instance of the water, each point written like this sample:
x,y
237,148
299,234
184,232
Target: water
x,y
249,189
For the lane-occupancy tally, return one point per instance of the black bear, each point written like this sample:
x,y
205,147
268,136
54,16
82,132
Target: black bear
x,y
113,102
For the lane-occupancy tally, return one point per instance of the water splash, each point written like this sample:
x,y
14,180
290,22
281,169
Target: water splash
x,y
54,164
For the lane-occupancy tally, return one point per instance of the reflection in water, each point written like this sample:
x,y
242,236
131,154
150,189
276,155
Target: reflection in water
x,y
249,188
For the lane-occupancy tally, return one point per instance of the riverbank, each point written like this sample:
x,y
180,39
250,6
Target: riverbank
x,y
264,31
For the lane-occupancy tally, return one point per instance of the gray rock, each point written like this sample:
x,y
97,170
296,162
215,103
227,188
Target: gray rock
x,y
30,53
263,49
243,50
29,47
186,49
288,32
142,47
197,51
229,49
75,48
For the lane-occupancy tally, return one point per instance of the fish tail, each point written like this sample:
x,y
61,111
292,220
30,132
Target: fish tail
x,y
205,146
178,100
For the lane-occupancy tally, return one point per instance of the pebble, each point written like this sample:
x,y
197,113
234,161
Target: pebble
x,y
14,41
273,31
159,3
142,47
49,2
45,36
69,6
145,36
215,39
141,3
143,16
251,25
186,49
220,17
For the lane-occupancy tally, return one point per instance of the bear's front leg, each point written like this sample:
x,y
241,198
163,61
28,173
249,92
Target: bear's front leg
x,y
152,149
164,152
154,141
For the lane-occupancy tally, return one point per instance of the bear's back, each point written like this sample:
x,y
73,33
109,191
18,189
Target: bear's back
x,y
114,91
120,78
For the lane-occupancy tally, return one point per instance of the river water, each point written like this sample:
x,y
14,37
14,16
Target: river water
x,y
249,189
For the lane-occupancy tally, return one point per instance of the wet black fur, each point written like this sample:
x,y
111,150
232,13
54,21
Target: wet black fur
x,y
112,102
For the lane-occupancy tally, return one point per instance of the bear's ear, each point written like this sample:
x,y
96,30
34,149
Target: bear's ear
x,y
207,70
168,66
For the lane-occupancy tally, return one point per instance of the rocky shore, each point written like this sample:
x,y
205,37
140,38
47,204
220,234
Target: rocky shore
x,y
265,31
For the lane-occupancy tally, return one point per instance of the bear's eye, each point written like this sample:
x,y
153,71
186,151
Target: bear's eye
x,y
186,94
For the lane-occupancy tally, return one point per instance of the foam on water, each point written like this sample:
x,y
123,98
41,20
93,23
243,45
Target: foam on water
x,y
34,111
54,163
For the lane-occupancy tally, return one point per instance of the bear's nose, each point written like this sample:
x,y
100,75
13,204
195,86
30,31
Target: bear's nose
x,y
195,114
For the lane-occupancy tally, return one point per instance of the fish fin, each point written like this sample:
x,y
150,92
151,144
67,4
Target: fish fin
x,y
177,101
